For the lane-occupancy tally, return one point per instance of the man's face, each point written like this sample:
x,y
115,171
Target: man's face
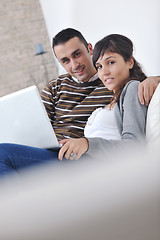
x,y
76,59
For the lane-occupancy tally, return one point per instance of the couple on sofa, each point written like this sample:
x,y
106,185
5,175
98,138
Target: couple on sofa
x,y
113,121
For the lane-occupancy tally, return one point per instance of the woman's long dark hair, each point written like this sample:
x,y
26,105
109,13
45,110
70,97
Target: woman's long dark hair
x,y
122,45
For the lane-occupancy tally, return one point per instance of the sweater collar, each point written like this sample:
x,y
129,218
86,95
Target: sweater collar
x,y
90,80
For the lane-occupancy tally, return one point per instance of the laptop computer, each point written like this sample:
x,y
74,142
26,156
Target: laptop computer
x,y
24,120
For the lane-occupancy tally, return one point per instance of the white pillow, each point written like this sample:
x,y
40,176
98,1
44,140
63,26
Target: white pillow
x,y
153,118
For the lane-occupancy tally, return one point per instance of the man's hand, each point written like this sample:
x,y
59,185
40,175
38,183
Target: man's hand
x,y
147,88
73,148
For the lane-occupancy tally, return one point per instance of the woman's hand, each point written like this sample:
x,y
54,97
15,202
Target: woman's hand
x,y
73,148
147,88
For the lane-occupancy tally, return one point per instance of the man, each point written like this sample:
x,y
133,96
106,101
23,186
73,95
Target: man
x,y
71,98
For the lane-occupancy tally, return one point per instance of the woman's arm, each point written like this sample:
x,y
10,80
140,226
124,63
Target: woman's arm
x,y
133,113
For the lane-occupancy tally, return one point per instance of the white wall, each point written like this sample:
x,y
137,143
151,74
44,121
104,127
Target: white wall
x,y
138,20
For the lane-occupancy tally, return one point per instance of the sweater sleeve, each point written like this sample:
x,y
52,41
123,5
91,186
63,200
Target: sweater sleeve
x,y
48,96
131,121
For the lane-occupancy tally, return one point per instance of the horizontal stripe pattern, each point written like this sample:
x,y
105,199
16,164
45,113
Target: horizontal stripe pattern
x,y
69,104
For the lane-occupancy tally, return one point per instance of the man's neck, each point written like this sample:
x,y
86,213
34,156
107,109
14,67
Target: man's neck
x,y
93,78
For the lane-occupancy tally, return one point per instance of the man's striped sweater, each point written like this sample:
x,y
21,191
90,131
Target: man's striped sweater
x,y
69,104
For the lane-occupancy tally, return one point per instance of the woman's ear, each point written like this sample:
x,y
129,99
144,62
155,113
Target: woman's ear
x,y
90,48
131,63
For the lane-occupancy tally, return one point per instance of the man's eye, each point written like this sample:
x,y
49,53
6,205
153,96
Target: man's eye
x,y
77,54
65,61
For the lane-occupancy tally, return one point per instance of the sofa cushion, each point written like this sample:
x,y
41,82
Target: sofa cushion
x,y
153,118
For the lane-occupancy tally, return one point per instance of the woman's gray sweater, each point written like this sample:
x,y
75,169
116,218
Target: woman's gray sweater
x,y
131,121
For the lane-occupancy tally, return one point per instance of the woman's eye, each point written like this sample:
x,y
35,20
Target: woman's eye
x,y
98,67
111,62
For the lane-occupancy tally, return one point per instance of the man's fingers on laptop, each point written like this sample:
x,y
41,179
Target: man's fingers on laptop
x,y
61,153
63,141
65,150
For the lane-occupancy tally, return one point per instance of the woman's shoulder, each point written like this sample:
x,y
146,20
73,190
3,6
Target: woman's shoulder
x,y
131,88
132,84
129,93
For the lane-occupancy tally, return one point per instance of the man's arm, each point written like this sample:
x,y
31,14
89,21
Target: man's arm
x,y
147,88
48,97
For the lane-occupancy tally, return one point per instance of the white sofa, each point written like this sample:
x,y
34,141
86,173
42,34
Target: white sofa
x,y
153,119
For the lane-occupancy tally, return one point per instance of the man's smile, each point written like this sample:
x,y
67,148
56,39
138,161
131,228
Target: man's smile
x,y
79,70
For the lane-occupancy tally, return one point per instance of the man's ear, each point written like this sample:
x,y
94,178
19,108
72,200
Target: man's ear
x,y
90,48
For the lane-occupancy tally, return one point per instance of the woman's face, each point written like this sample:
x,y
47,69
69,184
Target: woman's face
x,y
113,70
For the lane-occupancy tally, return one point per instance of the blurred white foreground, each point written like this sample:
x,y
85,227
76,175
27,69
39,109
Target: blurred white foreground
x,y
110,199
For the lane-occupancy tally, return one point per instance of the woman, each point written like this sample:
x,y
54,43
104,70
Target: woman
x,y
124,118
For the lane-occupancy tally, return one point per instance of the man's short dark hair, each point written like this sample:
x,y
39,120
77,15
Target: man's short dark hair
x,y
66,34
